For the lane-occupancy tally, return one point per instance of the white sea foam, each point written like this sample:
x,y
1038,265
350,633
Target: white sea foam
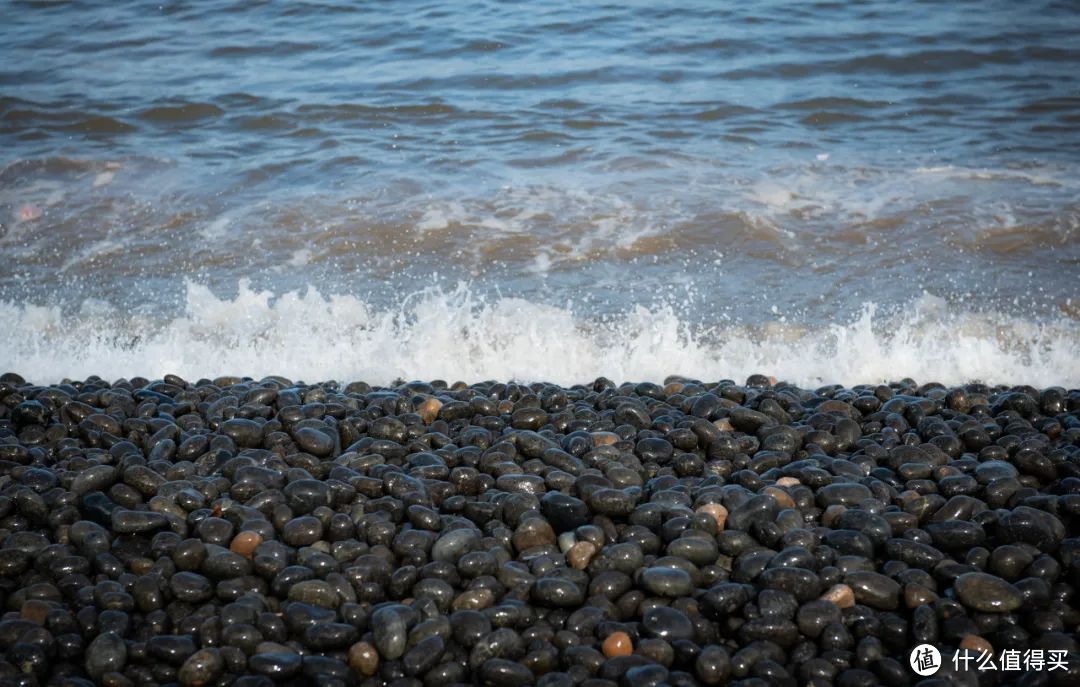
x,y
457,335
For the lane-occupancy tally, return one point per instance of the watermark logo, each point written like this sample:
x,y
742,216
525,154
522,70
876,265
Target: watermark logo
x,y
925,659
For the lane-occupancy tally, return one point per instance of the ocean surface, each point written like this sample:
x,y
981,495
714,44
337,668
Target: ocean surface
x,y
822,191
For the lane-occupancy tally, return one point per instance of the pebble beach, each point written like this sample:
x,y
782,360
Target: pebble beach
x,y
767,316
260,532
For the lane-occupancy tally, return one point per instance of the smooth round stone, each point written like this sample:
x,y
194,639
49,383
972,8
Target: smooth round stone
x,y
30,413
468,626
302,531
215,531
501,643
775,603
245,543
580,554
956,535
564,512
316,593
701,551
173,649
523,484
305,495
801,583
106,654
528,418
842,494
614,503
760,508
713,665
201,668
96,478
648,675
329,636
626,558
994,469
423,518
667,624
669,582
191,587
244,433
874,589
814,616
726,598
617,644
424,656
987,593
533,532
277,665
557,592
450,547
1009,561
389,633
500,672
363,658
1032,526
314,441
776,630
915,554
137,521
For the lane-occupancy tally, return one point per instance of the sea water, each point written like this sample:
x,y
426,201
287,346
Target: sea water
x,y
824,192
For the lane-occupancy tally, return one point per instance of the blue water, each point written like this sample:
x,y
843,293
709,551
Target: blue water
x,y
772,172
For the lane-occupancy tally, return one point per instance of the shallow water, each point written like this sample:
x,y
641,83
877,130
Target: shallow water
x,y
822,191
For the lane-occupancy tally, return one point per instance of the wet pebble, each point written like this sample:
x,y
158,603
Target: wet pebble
x,y
987,593
669,582
252,532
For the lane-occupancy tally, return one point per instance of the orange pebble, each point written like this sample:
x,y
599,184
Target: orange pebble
x,y
724,425
787,482
673,388
604,438
363,658
977,644
245,543
841,595
780,496
618,644
429,410
580,554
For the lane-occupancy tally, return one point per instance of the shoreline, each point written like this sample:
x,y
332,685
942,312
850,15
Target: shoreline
x,y
247,532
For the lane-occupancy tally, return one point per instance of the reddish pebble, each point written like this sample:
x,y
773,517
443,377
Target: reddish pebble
x,y
363,658
618,644
429,410
245,543
580,554
780,496
841,595
977,644
604,438
674,388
